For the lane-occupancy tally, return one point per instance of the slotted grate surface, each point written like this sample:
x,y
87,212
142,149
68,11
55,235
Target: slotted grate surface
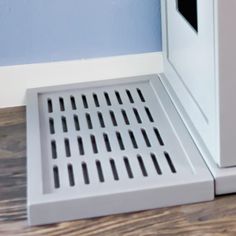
x,y
103,135
108,140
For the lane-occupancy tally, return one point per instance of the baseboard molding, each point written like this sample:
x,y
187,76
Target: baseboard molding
x,y
15,80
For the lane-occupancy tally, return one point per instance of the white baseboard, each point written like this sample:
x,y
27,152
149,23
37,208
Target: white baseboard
x,y
14,80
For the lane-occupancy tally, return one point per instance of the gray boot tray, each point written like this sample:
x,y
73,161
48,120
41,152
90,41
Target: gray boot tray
x,y
109,147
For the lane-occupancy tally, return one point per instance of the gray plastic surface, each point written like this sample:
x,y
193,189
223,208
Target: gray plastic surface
x,y
109,147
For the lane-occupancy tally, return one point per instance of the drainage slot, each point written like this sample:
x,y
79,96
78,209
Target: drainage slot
x,y
137,115
118,98
76,121
54,149
114,170
62,105
131,134
113,118
99,170
67,147
85,103
141,95
94,144
145,137
56,177
73,103
64,124
85,173
95,98
89,121
170,163
107,99
71,175
128,168
50,107
142,166
159,138
155,163
81,146
149,114
107,142
129,96
125,117
51,126
101,120
120,141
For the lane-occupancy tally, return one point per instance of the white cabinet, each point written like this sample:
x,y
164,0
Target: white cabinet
x,y
199,49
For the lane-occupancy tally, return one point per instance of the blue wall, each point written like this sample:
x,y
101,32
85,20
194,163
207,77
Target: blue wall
x,y
52,30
